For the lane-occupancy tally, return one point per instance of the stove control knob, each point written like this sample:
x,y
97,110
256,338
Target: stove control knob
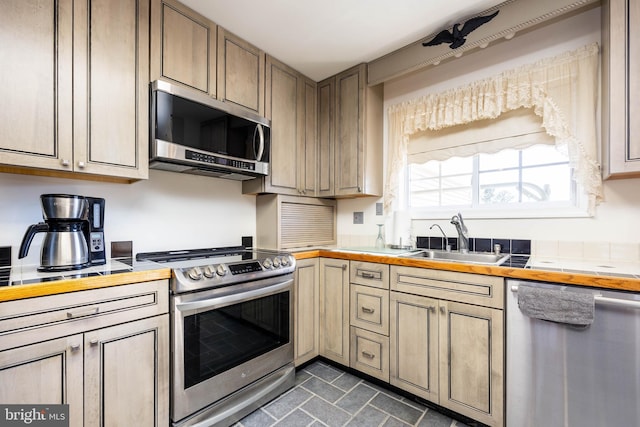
x,y
209,271
284,261
195,273
221,270
267,263
276,262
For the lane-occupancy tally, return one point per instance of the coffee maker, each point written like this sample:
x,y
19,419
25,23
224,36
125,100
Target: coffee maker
x,y
74,227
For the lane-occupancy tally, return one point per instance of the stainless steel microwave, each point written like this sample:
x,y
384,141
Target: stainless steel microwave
x,y
194,133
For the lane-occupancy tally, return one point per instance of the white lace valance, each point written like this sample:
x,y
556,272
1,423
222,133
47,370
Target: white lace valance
x,y
561,90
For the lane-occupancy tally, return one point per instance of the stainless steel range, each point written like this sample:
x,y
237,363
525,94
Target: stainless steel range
x,y
231,331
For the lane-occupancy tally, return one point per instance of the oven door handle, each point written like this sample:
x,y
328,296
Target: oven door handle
x,y
211,303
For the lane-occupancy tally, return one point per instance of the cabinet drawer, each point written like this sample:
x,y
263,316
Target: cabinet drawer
x,y
469,288
370,308
27,321
370,274
370,353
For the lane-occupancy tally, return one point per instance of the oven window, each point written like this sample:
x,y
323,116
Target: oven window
x,y
221,339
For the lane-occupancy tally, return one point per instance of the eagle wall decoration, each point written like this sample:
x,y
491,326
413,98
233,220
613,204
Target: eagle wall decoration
x,y
456,37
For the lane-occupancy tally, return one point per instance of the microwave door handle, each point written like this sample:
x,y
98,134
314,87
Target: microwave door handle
x,y
260,132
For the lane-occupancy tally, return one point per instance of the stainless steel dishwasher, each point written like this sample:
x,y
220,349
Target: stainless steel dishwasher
x,y
566,375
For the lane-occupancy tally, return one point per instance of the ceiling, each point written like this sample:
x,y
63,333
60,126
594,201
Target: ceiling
x,y
320,39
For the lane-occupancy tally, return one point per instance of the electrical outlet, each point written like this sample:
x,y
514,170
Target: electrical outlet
x,y
379,209
358,217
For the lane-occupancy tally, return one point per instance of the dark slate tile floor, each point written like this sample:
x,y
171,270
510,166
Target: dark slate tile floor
x,y
326,396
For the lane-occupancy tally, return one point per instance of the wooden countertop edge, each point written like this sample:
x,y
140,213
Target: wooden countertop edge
x,y
598,281
32,290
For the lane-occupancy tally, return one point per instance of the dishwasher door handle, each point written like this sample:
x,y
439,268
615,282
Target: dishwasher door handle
x,y
599,299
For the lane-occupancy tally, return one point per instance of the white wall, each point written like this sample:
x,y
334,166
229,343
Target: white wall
x,y
614,220
168,211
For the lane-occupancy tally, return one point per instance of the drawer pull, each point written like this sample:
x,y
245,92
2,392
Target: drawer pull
x,y
368,310
82,312
367,275
368,355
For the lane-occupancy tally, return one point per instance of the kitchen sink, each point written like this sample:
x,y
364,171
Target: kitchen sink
x,y
466,257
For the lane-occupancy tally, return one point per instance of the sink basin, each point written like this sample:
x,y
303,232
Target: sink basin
x,y
467,258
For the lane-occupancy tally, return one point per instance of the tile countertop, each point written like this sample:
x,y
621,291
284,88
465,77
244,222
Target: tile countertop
x,y
25,281
609,275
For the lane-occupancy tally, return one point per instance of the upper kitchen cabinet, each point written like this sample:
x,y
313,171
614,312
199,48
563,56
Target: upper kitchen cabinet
x,y
620,84
75,83
326,130
290,104
356,134
111,88
183,46
241,72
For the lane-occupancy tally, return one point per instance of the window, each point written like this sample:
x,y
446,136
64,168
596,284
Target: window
x,y
536,181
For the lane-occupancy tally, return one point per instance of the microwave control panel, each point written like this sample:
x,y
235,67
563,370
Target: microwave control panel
x,y
211,159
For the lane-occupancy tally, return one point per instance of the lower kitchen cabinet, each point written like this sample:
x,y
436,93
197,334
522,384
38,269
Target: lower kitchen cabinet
x,y
334,310
413,334
306,310
49,372
104,352
471,361
449,352
127,374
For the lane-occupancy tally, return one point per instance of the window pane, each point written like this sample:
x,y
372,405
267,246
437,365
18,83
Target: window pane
x,y
499,187
546,183
536,175
456,165
503,160
542,155
458,196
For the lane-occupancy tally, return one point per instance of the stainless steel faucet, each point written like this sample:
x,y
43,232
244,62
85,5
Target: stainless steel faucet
x,y
445,241
463,233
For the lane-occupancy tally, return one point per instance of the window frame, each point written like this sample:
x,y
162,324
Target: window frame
x,y
577,208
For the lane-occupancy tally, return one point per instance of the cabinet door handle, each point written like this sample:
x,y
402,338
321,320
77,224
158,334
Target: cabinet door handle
x,y
431,308
368,355
81,165
75,347
82,312
344,267
368,310
93,342
65,162
443,310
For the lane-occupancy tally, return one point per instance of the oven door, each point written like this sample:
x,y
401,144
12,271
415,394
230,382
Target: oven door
x,y
224,339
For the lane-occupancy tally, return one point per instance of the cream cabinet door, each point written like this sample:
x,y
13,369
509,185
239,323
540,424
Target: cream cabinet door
x,y
127,374
326,131
36,90
620,88
306,310
471,361
241,71
183,46
349,150
307,107
50,372
413,335
281,107
334,310
111,87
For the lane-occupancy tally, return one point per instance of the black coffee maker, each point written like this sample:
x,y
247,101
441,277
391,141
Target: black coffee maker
x,y
74,227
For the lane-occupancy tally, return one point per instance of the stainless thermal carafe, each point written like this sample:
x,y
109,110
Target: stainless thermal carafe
x,y
65,245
